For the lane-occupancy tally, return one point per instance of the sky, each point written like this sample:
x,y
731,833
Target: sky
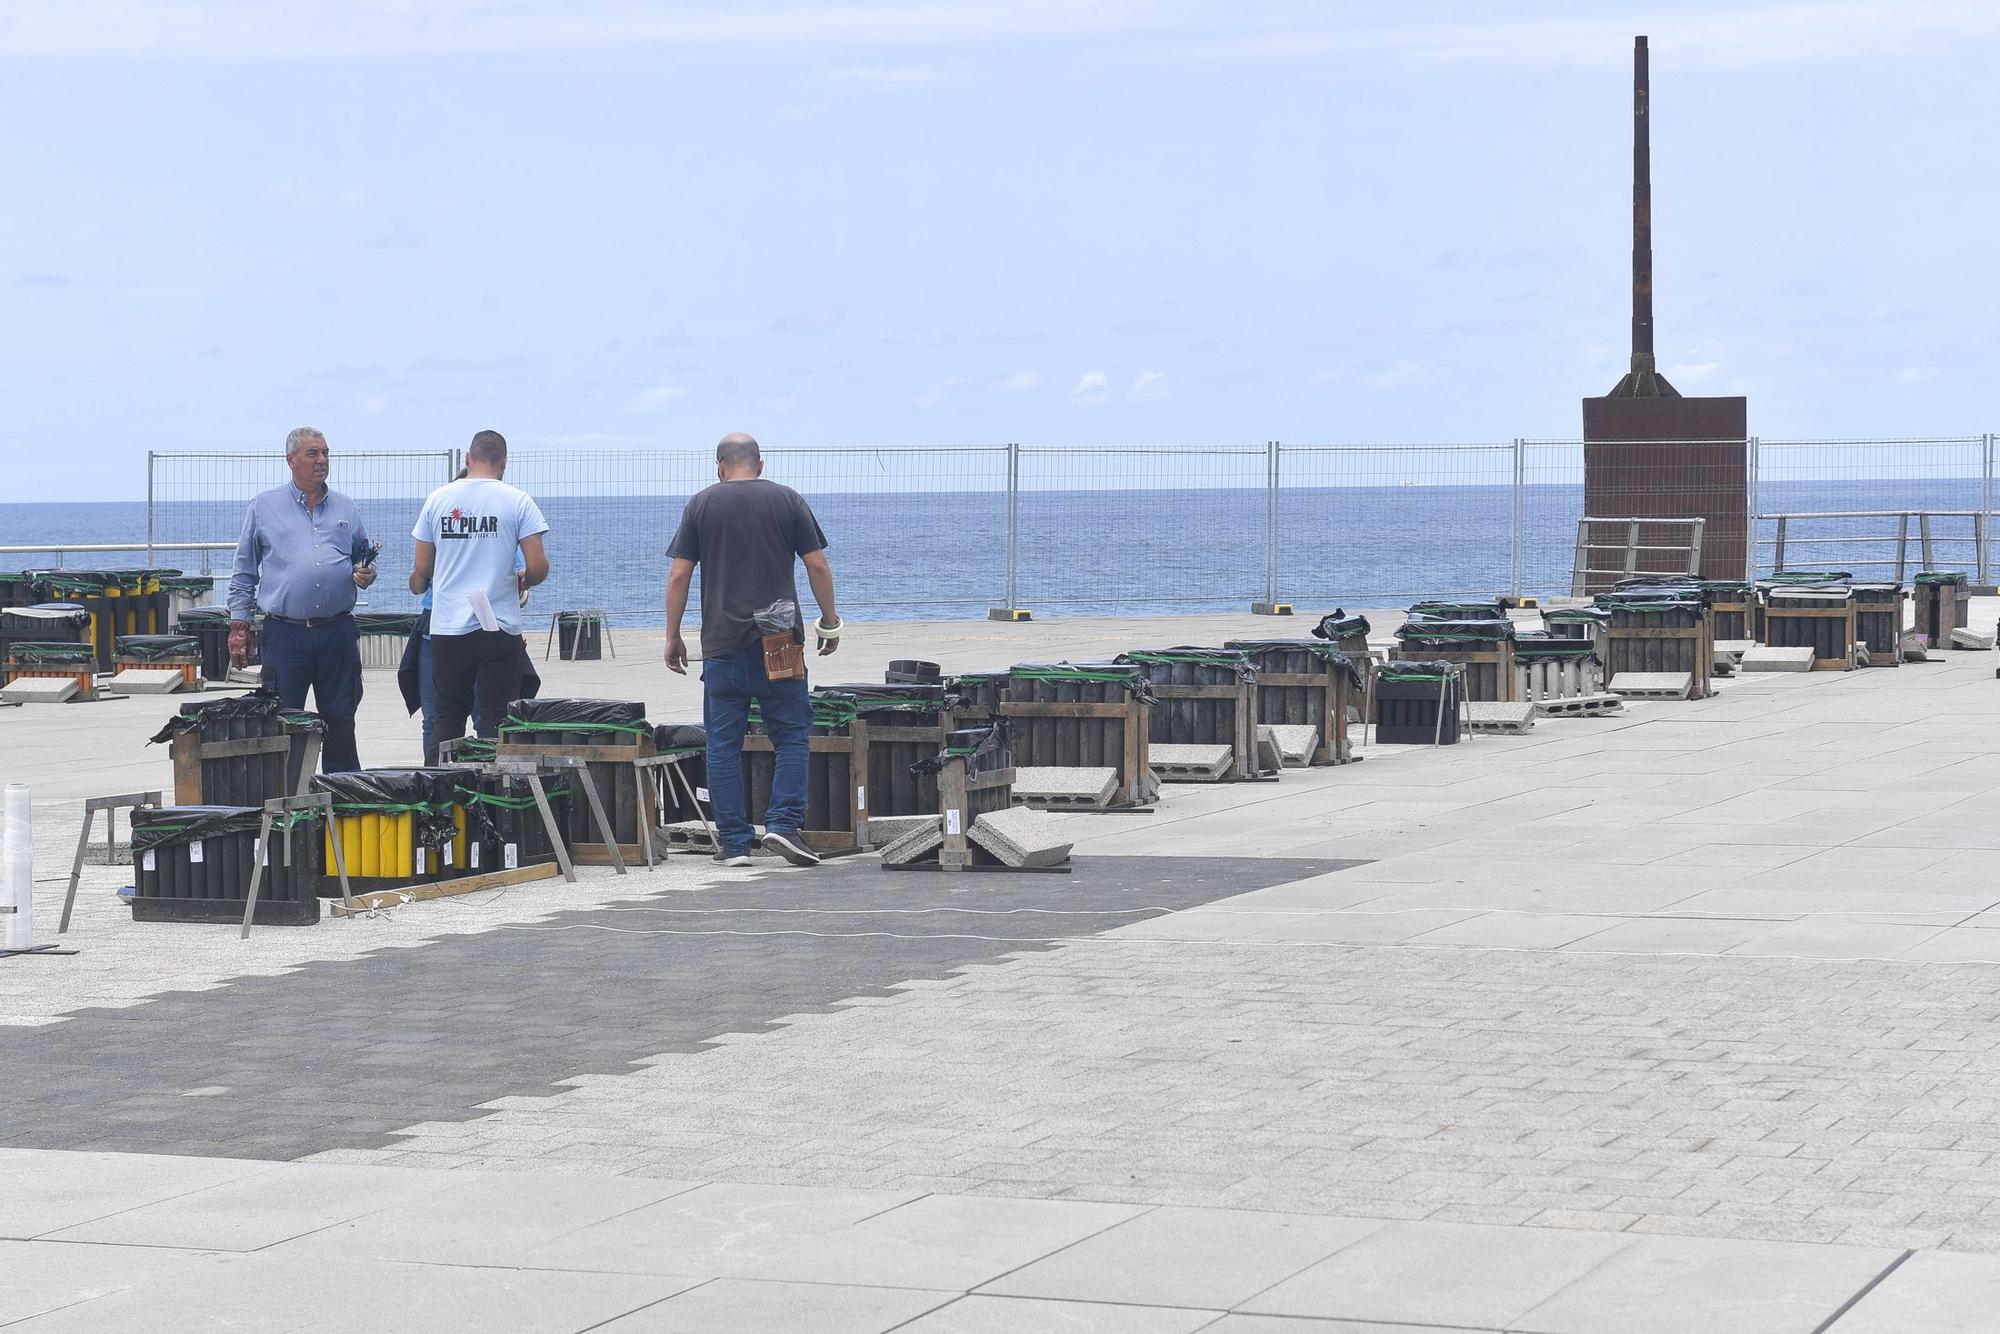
x,y
605,224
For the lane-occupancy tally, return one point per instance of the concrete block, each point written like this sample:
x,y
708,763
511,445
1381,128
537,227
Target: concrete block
x,y
1970,639
1766,659
1189,764
38,690
1021,837
1047,785
1295,742
147,681
1579,706
690,836
919,844
1494,716
1269,759
1653,685
1733,649
886,829
1916,647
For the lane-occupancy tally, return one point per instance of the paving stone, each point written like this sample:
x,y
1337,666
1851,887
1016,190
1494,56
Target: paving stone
x,y
917,844
1188,764
1972,639
1932,1292
886,829
1022,837
797,1308
1067,786
1764,658
1012,1315
147,681
38,690
1296,742
1652,685
1512,717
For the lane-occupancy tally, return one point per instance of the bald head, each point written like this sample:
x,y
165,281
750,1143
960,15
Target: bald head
x,y
737,455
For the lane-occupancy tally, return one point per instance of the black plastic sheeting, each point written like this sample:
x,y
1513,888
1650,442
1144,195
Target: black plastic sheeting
x,y
1111,673
1432,671
534,720
256,704
1320,649
425,793
1539,647
904,671
1337,624
671,737
172,826
1455,632
154,647
1954,577
982,748
891,696
385,622
1235,660
1477,609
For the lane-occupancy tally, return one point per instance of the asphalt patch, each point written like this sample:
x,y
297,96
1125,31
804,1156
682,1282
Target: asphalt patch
x,y
342,1054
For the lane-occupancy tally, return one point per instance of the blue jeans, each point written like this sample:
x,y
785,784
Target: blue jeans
x,y
728,685
327,660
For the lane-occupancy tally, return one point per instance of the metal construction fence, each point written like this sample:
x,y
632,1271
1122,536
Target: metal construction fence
x,y
923,531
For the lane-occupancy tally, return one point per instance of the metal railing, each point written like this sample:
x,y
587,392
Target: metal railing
x,y
1634,553
946,530
1930,544
63,551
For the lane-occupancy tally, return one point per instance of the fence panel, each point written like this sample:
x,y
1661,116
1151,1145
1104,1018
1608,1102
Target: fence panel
x,y
1142,528
1828,476
201,497
1387,525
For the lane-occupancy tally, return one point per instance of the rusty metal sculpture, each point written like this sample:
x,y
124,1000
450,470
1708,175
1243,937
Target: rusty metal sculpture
x,y
1644,379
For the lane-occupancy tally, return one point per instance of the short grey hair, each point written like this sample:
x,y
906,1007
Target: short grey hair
x,y
738,450
299,435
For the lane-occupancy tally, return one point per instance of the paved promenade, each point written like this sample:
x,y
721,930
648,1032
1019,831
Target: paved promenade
x,y
1677,1020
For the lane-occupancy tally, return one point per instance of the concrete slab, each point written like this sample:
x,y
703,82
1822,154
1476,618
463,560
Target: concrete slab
x,y
798,1308
43,1193
1651,685
1579,706
886,829
1764,658
917,844
1186,1257
1443,1274
1013,1315
46,1276
1733,649
1650,1285
1970,639
1038,785
1938,1293
38,690
1188,764
1022,837
1296,742
147,681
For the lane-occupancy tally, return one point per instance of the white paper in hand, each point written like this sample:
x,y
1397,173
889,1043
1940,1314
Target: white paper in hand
x,y
482,607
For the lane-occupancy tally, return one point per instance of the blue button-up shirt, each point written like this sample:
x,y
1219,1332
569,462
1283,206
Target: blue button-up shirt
x,y
293,560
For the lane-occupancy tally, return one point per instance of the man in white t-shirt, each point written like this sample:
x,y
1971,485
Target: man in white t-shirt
x,y
466,538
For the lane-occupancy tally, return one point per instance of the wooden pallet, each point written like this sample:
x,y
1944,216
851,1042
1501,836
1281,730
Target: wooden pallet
x,y
378,899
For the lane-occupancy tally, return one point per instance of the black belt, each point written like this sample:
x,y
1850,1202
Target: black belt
x,y
307,622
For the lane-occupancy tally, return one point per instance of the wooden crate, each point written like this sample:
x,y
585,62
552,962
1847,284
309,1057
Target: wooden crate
x,y
904,725
1942,604
1203,697
836,778
1659,635
1308,683
971,783
624,788
1732,609
1879,622
1083,715
1483,650
1820,618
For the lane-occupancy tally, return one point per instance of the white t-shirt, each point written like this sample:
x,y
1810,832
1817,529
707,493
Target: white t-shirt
x,y
477,525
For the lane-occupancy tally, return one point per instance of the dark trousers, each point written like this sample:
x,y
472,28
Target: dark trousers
x,y
484,665
325,659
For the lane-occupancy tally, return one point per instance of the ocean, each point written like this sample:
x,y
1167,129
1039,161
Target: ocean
x,y
943,554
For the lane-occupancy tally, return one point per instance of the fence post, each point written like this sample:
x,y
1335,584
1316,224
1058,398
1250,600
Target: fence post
x,y
1520,520
1750,513
1271,521
1979,529
149,508
1013,524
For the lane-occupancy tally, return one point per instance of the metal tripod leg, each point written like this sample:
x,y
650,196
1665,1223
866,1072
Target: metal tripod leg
x,y
549,823
603,824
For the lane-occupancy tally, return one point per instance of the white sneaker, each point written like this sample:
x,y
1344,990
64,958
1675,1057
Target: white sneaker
x,y
792,848
740,859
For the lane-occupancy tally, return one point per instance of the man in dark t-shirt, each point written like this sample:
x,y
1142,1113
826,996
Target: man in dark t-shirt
x,y
744,533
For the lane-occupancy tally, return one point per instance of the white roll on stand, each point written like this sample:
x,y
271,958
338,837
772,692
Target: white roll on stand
x,y
17,878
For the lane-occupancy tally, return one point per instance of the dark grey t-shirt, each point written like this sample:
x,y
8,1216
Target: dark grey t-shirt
x,y
745,536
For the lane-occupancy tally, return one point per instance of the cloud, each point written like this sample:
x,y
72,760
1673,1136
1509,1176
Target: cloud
x,y
1092,388
1693,372
1916,374
936,394
1150,387
1020,382
44,281
658,398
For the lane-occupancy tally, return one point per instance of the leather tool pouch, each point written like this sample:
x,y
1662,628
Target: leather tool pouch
x,y
784,658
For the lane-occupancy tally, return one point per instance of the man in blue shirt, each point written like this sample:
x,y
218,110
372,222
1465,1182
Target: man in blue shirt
x,y
302,554
466,540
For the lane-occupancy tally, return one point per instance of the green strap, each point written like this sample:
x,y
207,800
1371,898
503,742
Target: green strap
x,y
390,808
506,803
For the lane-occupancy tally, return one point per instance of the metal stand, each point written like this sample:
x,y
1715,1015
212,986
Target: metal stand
x,y
318,801
110,806
580,768
671,764
532,771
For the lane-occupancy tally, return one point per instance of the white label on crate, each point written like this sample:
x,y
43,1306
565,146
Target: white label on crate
x,y
701,794
951,825
420,860
513,855
196,850
150,863
472,856
861,798
445,855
